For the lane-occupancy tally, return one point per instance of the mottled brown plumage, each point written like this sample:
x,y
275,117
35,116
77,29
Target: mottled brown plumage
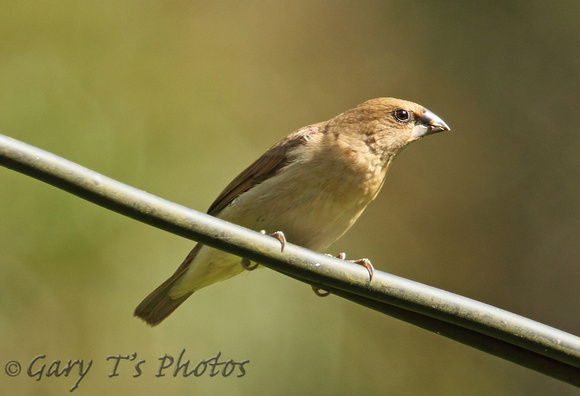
x,y
312,185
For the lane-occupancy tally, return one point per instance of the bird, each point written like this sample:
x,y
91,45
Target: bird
x,y
311,187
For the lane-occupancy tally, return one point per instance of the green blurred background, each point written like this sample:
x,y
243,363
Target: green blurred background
x,y
177,97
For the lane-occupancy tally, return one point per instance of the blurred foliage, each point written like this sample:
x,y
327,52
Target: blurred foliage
x,y
176,97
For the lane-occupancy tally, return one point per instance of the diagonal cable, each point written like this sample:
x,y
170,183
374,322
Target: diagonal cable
x,y
490,329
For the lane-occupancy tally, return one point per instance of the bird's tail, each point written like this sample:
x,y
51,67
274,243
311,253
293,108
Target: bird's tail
x,y
159,304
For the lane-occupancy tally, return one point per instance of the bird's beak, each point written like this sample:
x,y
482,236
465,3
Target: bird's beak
x,y
428,124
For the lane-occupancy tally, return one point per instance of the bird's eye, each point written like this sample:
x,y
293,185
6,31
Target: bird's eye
x,y
402,115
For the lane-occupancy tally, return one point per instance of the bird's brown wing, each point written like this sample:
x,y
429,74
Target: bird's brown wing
x,y
159,304
263,168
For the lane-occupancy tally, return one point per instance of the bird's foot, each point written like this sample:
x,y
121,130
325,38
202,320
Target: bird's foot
x,y
320,292
279,235
365,262
247,265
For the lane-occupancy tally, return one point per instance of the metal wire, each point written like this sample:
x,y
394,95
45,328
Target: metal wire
x,y
490,329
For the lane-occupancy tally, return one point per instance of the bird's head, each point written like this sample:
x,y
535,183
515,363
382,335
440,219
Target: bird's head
x,y
388,124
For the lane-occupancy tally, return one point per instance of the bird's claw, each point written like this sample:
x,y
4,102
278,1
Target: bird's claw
x,y
247,265
319,292
365,262
279,235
